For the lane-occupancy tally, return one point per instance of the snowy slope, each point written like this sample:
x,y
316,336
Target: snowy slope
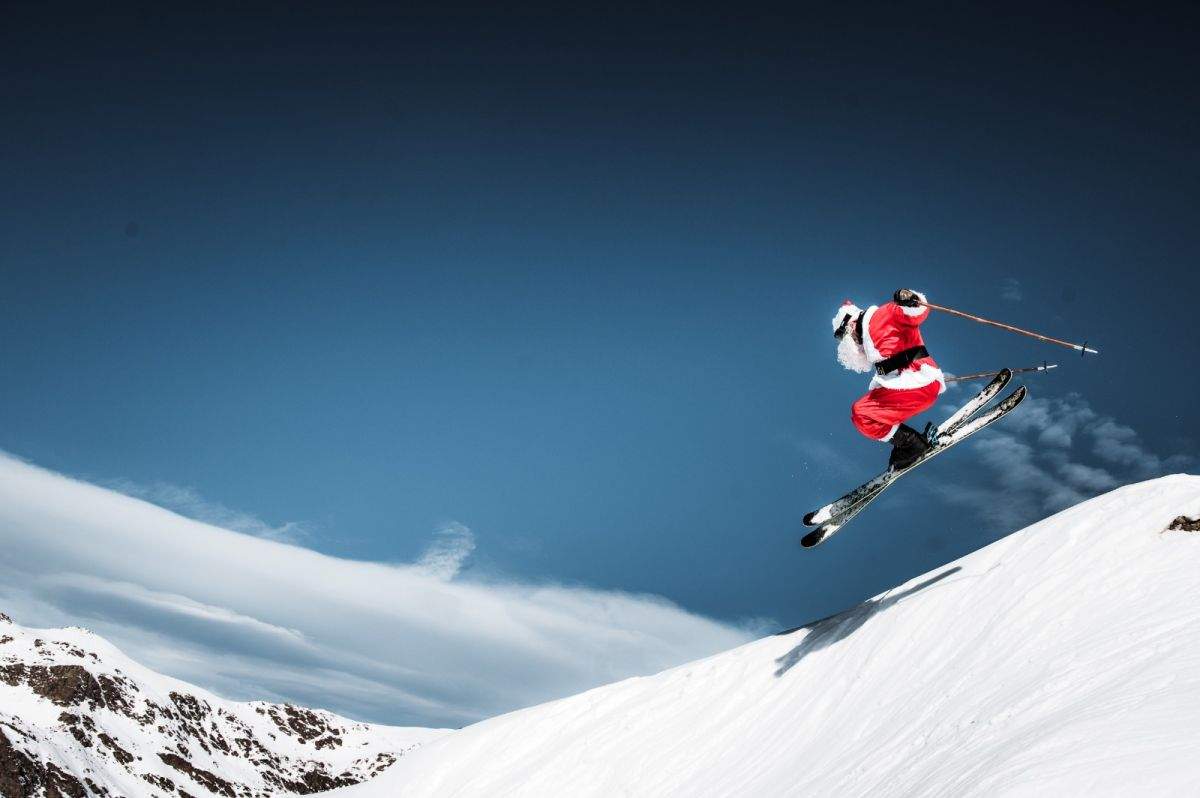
x,y
78,717
1062,660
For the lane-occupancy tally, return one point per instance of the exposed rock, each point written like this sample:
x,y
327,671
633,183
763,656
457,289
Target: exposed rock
x,y
82,728
22,776
13,675
316,780
211,781
65,685
305,725
1185,524
123,756
114,689
161,782
97,790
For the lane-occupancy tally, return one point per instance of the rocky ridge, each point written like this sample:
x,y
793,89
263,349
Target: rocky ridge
x,y
80,719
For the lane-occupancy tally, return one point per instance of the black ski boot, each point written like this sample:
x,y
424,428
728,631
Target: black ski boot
x,y
907,447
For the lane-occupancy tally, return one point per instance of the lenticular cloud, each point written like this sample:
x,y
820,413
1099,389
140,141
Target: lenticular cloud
x,y
256,618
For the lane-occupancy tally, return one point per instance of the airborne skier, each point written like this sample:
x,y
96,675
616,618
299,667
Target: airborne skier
x,y
907,381
887,339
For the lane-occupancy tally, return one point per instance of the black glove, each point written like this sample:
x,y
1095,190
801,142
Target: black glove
x,y
908,298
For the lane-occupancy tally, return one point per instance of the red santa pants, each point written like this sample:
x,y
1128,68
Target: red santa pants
x,y
877,414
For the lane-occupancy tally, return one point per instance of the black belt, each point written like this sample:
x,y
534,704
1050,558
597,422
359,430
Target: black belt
x,y
901,360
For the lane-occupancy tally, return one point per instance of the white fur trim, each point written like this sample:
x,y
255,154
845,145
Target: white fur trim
x,y
914,311
891,432
869,345
850,308
908,379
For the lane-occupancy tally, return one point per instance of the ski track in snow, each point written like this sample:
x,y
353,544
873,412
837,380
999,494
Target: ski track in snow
x,y
1061,660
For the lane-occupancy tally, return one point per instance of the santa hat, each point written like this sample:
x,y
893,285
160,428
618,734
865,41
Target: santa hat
x,y
848,308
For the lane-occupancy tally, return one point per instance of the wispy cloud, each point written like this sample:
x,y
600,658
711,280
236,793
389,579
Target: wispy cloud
x,y
445,556
1050,454
251,617
188,502
1120,445
1010,290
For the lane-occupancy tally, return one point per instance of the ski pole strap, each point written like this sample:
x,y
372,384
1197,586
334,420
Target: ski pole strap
x,y
901,360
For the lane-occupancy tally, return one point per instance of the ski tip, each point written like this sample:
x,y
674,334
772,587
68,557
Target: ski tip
x,y
814,538
1013,399
809,518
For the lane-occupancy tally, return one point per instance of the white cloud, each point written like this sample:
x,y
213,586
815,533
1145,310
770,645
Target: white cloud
x,y
445,556
1035,461
187,501
1086,477
256,618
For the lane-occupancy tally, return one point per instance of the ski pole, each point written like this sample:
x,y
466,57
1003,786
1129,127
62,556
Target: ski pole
x,y
981,375
1081,348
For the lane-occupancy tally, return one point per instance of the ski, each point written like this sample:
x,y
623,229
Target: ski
x,y
968,410
964,430
865,491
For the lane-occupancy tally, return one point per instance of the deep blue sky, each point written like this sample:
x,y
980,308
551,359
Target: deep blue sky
x,y
566,277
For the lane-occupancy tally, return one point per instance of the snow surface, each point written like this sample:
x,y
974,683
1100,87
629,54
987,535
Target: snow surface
x,y
1061,660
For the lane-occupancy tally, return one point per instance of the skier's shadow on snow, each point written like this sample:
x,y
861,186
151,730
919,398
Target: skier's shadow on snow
x,y
827,631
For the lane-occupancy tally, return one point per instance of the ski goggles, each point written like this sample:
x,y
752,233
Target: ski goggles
x,y
840,332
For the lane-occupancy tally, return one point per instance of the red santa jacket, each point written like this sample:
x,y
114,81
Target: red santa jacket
x,y
890,329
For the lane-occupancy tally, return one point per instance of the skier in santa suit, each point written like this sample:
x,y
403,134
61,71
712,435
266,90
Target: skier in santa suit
x,y
886,339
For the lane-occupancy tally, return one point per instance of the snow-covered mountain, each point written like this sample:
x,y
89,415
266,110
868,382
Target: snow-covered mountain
x,y
1061,660
79,718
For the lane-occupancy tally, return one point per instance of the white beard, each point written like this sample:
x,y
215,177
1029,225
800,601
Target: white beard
x,y
851,354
